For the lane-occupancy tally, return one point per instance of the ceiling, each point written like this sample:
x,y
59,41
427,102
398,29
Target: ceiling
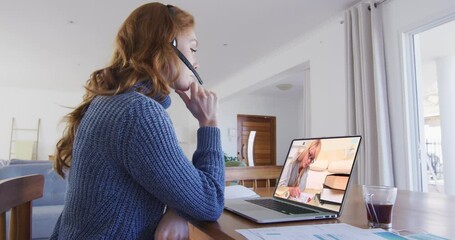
x,y
55,45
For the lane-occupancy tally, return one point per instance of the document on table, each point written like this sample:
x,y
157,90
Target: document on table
x,y
239,191
337,231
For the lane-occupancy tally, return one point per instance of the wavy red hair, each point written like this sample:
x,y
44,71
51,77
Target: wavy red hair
x,y
142,53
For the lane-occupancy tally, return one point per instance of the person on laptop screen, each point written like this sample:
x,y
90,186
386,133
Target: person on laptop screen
x,y
317,169
295,173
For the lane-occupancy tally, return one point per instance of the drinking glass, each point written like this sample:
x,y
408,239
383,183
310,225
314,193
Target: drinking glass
x,y
379,201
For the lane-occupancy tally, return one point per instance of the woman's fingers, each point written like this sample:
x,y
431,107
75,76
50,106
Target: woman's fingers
x,y
183,96
202,103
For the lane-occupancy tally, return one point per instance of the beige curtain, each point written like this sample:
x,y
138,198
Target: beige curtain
x,y
367,94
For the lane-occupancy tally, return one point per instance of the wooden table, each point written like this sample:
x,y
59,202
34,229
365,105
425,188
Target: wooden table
x,y
413,211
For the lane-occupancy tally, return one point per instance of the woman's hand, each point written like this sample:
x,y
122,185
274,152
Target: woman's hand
x,y
203,104
294,192
172,226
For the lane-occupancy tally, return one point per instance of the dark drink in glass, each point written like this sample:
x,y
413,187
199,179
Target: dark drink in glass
x,y
379,202
380,215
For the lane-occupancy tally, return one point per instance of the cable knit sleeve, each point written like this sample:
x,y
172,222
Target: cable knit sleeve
x,y
155,160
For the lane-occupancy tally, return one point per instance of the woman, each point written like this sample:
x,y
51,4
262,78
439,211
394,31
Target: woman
x,y
296,172
120,151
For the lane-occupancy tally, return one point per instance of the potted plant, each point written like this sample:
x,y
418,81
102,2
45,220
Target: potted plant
x,y
230,161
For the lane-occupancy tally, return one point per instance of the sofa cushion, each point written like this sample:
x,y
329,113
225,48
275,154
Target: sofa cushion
x,y
54,185
46,210
54,189
44,220
316,179
340,166
319,165
20,161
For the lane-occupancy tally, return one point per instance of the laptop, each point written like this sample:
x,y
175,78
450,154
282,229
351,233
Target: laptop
x,y
312,185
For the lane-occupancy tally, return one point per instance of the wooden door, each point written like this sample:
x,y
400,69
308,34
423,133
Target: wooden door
x,y
264,149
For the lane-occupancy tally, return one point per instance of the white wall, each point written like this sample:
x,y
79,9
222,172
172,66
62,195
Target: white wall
x,y
27,106
429,76
402,16
324,49
285,110
185,125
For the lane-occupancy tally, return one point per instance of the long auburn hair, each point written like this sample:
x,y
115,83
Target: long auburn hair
x,y
142,53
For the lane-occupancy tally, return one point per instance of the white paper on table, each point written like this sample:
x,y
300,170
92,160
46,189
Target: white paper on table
x,y
337,231
239,191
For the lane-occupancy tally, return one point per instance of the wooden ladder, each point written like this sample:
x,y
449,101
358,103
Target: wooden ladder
x,y
17,134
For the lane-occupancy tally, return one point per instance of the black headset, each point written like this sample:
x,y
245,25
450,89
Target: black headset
x,y
180,54
185,61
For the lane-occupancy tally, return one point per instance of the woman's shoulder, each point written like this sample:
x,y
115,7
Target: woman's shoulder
x,y
129,99
139,98
130,106
141,107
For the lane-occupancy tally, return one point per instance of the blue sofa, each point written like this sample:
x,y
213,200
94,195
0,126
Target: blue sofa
x,y
47,209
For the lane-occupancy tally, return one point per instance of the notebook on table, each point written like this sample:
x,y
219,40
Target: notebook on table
x,y
298,191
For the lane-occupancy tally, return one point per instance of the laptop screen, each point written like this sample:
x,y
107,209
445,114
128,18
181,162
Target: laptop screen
x,y
317,171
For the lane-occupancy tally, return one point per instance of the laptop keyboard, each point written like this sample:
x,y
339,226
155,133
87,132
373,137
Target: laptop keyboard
x,y
280,206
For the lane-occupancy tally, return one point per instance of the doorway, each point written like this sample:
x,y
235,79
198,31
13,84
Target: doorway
x,y
432,58
264,144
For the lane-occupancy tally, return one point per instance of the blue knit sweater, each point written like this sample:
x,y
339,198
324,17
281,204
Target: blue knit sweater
x,y
127,167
